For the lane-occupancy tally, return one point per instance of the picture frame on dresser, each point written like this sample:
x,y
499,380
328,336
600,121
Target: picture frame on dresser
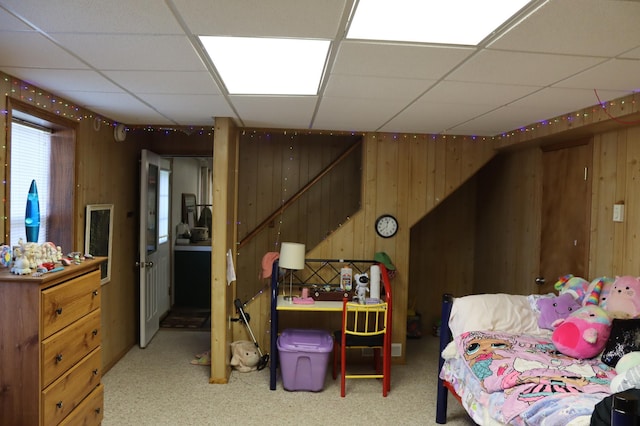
x,y
98,236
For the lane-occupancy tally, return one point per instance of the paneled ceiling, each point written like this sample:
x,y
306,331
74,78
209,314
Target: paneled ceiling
x,y
140,62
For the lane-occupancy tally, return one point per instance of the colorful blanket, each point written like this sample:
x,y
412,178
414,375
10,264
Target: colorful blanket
x,y
530,371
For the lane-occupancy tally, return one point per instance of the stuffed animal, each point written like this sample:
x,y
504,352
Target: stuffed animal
x,y
624,297
584,333
555,308
600,289
575,286
244,356
628,369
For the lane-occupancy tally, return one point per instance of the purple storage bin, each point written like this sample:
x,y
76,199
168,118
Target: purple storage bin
x,y
304,356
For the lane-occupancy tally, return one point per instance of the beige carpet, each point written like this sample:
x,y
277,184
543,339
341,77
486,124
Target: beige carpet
x,y
158,386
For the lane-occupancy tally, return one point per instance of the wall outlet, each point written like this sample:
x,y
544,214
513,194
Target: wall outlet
x,y
396,349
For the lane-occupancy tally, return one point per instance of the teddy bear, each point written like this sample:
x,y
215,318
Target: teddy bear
x,y
555,308
584,333
244,356
624,297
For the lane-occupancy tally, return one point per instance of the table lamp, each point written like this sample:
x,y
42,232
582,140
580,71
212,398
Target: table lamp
x,y
292,257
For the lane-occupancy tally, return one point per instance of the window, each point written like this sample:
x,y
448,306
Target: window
x,y
163,208
41,147
30,159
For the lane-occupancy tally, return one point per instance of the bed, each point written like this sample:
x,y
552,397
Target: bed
x,y
504,369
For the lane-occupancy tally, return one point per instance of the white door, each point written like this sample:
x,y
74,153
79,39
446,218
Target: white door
x,y
154,262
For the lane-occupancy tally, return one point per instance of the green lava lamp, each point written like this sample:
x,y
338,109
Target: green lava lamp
x,y
32,214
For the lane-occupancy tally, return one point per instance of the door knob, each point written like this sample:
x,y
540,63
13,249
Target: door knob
x,y
540,280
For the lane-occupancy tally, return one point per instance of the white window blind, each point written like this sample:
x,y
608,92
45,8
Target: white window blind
x,y
30,158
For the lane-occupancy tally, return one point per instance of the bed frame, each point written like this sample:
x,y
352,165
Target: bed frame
x,y
445,337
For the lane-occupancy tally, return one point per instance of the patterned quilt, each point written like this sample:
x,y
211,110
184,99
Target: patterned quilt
x,y
530,377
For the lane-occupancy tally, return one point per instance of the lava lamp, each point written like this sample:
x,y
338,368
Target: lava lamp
x,y
32,214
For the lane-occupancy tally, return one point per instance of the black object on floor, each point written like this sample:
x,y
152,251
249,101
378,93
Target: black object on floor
x,y
190,319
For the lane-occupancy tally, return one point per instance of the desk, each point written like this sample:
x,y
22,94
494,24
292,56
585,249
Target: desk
x,y
279,304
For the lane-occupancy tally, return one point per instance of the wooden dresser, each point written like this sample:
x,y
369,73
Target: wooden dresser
x,y
50,336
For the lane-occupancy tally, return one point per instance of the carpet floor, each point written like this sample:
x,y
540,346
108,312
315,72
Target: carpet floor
x,y
159,386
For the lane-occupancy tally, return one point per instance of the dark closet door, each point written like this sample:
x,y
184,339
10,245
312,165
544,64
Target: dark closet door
x,y
566,212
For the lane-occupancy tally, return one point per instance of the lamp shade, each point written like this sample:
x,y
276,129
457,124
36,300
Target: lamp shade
x,y
292,256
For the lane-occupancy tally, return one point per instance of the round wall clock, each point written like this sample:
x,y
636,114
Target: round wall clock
x,y
120,132
387,226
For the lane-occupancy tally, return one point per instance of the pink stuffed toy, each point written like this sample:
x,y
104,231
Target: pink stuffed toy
x,y
555,308
624,297
584,333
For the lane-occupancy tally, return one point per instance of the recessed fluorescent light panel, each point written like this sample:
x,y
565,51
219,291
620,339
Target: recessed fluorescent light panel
x,y
268,66
460,22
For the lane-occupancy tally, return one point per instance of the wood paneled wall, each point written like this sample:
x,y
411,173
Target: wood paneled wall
x,y
406,175
403,175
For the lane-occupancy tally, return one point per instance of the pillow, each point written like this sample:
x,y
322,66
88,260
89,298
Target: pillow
x,y
624,338
494,312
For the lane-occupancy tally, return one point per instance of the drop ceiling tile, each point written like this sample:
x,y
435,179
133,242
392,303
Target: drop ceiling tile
x,y
349,86
366,114
8,22
395,60
131,17
534,69
134,52
116,106
433,117
32,50
56,80
166,82
558,101
632,54
190,109
274,18
284,111
615,74
459,92
577,27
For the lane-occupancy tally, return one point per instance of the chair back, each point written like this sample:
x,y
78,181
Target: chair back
x,y
363,320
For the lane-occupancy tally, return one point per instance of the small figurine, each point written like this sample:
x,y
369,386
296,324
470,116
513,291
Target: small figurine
x,y
362,282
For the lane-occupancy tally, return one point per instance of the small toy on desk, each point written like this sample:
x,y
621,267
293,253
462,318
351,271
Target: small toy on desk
x,y
304,298
362,282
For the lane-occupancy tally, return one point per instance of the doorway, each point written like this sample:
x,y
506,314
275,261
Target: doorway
x,y
566,212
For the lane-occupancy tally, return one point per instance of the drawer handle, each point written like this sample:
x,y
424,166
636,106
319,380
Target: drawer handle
x,y
95,292
59,311
95,332
95,372
58,358
59,404
98,410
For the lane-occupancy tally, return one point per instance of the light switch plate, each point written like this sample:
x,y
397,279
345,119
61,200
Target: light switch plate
x,y
618,212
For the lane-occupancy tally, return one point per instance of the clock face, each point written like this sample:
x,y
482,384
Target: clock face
x,y
386,226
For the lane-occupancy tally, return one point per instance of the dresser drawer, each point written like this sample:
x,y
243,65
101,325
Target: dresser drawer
x,y
68,346
63,395
67,302
89,412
